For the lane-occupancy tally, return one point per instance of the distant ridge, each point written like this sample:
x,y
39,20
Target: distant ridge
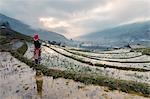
x,y
134,32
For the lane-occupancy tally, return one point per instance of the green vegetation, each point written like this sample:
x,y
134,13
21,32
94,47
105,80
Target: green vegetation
x,y
4,40
144,51
9,35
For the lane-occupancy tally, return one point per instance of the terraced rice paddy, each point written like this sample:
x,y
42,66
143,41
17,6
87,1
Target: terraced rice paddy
x,y
126,65
53,59
18,81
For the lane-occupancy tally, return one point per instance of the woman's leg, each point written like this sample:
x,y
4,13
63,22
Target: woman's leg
x,y
36,61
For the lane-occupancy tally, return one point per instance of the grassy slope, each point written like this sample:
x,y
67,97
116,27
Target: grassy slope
x,y
8,35
145,51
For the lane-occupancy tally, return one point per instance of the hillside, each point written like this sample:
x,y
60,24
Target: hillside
x,y
135,32
27,30
10,38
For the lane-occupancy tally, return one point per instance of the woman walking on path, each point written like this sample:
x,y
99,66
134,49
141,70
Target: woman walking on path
x,y
37,49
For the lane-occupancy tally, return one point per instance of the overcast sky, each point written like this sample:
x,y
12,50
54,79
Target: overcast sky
x,y
73,18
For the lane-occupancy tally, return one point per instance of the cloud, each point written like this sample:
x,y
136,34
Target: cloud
x,y
73,18
53,23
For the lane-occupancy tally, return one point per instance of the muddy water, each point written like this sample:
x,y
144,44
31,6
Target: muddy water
x,y
18,81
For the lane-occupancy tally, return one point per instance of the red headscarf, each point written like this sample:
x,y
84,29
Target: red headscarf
x,y
36,37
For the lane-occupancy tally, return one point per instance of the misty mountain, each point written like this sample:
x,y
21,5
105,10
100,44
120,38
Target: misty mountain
x,y
27,30
128,33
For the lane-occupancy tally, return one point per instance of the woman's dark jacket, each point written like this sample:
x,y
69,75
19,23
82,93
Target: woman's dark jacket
x,y
37,44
